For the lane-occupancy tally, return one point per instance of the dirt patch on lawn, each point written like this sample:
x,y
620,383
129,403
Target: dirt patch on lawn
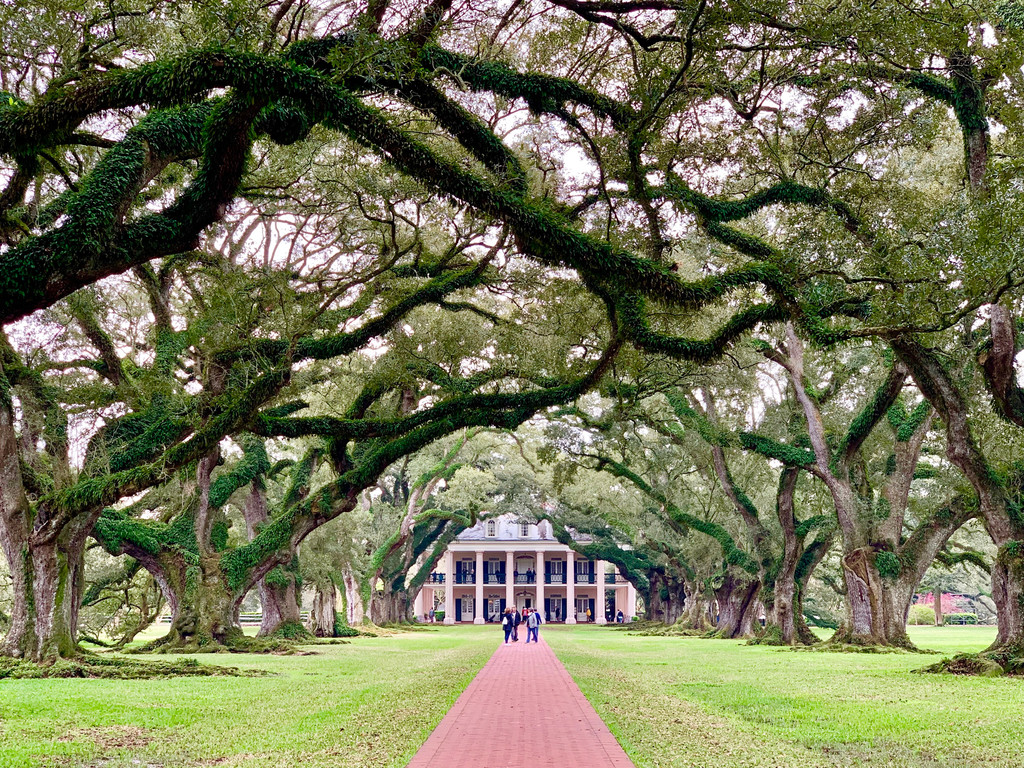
x,y
111,737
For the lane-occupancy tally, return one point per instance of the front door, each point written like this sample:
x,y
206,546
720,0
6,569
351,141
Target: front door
x,y
582,603
494,608
557,608
467,609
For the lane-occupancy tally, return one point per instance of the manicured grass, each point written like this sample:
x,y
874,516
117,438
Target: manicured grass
x,y
691,702
671,702
369,703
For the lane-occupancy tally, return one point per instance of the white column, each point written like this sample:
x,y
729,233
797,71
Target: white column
x,y
449,588
630,610
540,584
510,585
478,576
417,604
599,603
570,588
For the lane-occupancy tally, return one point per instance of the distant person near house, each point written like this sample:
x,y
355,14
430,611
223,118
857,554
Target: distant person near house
x,y
588,616
431,615
619,618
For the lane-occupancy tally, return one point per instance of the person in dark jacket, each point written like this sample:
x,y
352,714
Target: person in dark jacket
x,y
507,624
517,619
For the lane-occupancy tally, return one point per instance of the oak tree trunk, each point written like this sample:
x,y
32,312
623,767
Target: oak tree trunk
x,y
279,598
737,606
354,610
322,613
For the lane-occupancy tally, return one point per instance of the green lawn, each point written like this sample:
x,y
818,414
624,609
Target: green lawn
x,y
370,703
670,701
689,702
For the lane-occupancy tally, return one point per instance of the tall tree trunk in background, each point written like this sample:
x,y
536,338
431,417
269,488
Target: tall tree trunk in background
x,y
737,606
354,611
1004,526
279,588
667,598
45,562
781,609
322,612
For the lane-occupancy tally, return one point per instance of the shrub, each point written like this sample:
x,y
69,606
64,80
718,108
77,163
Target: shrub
x,y
921,615
341,627
438,615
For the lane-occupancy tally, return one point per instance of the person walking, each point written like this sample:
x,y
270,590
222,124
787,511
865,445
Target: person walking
x,y
533,622
588,615
506,624
517,619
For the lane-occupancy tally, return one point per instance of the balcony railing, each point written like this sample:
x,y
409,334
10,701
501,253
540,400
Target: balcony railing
x,y
614,578
523,579
554,578
464,578
436,578
585,578
494,578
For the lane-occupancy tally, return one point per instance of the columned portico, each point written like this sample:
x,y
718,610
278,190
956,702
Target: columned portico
x,y
510,586
506,562
449,588
478,608
570,587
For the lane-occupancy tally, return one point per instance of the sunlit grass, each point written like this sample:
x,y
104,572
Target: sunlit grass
x,y
692,702
369,703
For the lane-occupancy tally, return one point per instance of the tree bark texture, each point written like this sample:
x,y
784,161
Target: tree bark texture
x,y
322,612
738,606
278,589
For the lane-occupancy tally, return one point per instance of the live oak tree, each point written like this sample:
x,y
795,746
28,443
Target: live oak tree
x,y
128,135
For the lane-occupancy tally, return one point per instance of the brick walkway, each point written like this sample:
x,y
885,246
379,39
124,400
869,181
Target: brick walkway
x,y
523,699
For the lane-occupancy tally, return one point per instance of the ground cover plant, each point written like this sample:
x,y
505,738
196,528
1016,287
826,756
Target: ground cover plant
x,y
691,702
371,702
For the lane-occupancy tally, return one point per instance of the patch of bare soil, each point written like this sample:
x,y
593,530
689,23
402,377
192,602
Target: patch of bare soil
x,y
111,737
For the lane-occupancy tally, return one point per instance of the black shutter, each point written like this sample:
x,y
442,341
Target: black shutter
x,y
593,613
458,609
547,608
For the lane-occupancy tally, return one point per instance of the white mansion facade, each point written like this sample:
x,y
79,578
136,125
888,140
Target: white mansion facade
x,y
504,562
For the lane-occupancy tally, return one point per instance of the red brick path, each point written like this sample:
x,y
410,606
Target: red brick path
x,y
523,699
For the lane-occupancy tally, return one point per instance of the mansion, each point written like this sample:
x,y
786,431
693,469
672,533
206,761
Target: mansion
x,y
503,562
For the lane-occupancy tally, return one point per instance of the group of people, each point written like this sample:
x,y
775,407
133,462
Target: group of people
x,y
512,619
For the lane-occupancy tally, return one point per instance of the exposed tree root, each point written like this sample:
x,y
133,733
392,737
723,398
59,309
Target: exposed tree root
x,y
236,642
985,664
831,647
88,665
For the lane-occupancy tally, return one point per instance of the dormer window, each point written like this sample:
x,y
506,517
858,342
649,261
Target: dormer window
x,y
492,528
524,529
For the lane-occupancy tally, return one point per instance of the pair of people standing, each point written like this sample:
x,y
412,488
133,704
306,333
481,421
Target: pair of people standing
x,y
511,620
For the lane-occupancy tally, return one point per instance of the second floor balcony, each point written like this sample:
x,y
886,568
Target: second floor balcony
x,y
554,578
